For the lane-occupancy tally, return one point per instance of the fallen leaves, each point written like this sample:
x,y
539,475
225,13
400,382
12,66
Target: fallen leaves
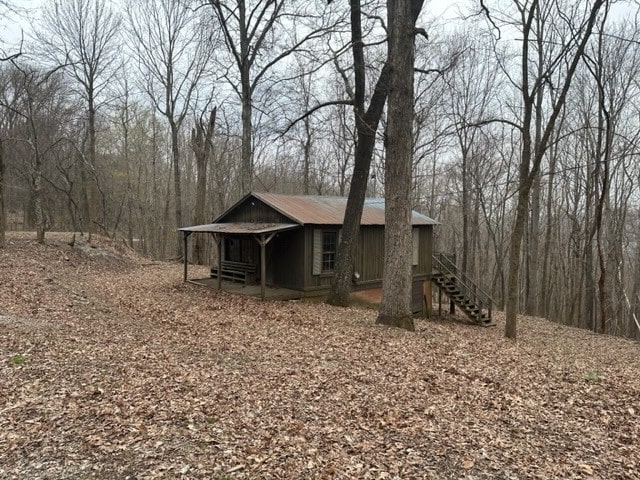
x,y
131,374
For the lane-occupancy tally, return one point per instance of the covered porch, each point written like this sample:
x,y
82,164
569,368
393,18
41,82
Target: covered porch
x,y
270,292
238,267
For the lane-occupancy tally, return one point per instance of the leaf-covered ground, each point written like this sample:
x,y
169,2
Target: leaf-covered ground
x,y
112,368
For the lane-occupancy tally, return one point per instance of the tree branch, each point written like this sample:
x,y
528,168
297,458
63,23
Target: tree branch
x,y
487,14
313,110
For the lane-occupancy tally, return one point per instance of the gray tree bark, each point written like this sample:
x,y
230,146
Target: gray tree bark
x,y
366,127
395,309
530,160
3,212
201,143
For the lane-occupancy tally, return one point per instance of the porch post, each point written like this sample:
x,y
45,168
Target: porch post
x,y
219,240
263,240
426,291
185,236
263,267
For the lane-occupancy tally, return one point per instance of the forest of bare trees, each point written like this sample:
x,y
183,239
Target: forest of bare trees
x,y
130,122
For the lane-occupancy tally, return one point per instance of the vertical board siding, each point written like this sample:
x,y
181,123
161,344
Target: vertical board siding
x,y
317,251
370,258
288,259
253,210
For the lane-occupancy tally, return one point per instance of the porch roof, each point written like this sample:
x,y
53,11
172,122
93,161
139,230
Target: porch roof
x,y
241,228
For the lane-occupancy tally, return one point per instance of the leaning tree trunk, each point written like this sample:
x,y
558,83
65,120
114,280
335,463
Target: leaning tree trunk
x,y
395,309
366,133
366,127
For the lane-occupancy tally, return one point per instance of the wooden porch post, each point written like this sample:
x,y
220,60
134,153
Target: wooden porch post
x,y
263,241
185,236
263,267
219,239
427,297
216,239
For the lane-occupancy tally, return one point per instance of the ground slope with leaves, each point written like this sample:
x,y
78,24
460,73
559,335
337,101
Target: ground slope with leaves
x,y
111,368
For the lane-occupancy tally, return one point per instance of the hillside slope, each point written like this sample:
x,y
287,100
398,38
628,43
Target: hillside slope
x,y
111,368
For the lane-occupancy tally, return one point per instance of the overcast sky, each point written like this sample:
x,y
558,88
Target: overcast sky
x,y
13,24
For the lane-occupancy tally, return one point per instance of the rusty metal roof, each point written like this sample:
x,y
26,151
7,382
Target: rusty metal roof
x,y
241,228
325,210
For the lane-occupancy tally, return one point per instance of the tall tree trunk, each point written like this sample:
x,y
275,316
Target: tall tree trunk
x,y
395,308
246,167
366,127
84,194
3,212
177,187
530,162
365,141
307,155
90,184
544,302
466,210
201,143
515,244
533,261
38,208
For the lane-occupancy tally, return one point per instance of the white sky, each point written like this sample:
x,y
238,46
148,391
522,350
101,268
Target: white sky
x,y
13,25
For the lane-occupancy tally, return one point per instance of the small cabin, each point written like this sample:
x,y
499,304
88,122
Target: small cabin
x,y
290,242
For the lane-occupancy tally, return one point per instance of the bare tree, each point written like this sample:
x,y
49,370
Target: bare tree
x,y
395,308
81,35
173,51
366,121
38,99
570,54
3,211
255,32
202,144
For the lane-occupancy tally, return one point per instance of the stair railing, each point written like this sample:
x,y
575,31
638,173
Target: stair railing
x,y
445,263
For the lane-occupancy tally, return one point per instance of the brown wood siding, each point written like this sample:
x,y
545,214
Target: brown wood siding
x,y
417,295
426,250
370,256
287,259
369,259
253,210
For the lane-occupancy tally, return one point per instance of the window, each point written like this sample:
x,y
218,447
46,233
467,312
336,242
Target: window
x,y
325,246
329,247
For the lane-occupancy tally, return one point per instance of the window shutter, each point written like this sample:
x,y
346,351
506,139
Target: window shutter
x,y
317,251
416,246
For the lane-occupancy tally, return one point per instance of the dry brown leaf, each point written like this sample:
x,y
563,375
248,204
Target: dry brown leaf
x,y
111,367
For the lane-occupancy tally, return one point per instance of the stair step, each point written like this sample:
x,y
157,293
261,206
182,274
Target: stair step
x,y
447,283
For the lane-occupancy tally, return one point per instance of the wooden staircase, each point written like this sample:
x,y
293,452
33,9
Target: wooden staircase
x,y
461,290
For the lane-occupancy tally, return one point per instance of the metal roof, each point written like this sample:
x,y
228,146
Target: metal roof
x,y
241,228
325,210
